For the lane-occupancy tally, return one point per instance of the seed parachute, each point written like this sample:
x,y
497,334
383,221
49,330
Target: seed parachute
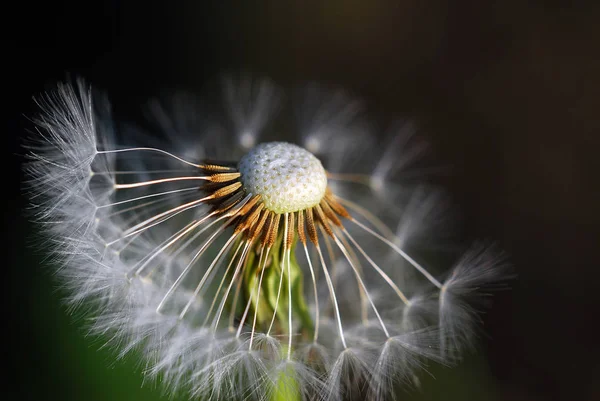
x,y
243,261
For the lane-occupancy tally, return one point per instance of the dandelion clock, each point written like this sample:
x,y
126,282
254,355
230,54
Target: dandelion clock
x,y
252,246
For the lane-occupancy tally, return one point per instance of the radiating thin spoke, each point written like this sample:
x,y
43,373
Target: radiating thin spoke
x,y
361,283
238,288
370,217
363,300
288,227
188,267
132,172
410,260
148,207
159,249
216,297
150,150
332,259
314,280
167,215
235,274
282,264
262,272
290,326
206,275
176,238
249,303
333,297
378,269
160,181
149,196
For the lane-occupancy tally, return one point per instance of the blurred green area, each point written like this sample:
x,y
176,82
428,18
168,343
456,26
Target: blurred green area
x,y
75,366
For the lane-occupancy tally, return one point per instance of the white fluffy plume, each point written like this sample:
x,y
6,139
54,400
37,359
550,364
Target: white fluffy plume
x,y
342,310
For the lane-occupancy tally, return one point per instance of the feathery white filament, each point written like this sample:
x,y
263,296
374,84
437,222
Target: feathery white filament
x,y
137,234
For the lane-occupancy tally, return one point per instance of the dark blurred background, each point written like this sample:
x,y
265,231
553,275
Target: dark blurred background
x,y
507,93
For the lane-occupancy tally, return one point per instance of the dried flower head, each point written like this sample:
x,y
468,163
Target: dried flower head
x,y
247,270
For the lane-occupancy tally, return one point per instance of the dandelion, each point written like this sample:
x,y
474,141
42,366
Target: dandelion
x,y
245,268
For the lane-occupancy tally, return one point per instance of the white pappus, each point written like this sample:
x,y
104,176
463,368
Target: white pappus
x,y
245,262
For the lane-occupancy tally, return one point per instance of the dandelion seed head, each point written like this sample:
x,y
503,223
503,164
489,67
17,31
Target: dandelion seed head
x,y
249,270
287,177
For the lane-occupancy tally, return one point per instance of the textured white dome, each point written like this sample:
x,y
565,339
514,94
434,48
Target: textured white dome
x,y
288,177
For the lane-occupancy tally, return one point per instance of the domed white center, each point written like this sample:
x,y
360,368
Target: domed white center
x,y
287,177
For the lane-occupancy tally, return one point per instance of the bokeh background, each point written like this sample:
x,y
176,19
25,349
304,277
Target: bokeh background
x,y
506,92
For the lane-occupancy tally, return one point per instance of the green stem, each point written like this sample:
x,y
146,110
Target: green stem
x,y
286,386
